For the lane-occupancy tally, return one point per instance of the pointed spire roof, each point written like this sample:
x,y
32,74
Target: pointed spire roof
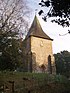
x,y
36,30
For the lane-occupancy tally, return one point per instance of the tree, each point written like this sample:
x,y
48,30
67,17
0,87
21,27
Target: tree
x,y
13,15
62,60
59,9
12,58
13,20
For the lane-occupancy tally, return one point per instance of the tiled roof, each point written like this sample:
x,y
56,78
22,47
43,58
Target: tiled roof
x,y
36,30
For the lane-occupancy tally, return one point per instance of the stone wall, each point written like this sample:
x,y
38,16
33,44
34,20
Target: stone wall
x,y
42,48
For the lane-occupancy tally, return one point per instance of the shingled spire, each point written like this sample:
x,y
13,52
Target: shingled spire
x,y
38,50
36,30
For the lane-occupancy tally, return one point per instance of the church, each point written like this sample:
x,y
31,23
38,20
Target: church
x,y
39,55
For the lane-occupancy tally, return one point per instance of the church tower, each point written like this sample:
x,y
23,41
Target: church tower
x,y
39,50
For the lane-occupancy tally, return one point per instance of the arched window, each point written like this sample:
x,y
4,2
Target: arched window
x,y
49,65
34,61
30,61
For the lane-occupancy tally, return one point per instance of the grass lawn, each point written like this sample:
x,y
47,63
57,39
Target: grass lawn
x,y
35,82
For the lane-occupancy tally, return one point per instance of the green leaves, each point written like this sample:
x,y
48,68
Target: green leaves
x,y
12,21
63,63
45,3
60,8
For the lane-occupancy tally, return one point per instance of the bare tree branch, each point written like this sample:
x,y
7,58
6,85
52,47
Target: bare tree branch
x,y
12,14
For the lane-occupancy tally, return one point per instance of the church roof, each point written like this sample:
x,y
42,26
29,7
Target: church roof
x,y
36,30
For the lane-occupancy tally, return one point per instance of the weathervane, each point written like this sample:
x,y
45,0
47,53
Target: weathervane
x,y
65,33
36,11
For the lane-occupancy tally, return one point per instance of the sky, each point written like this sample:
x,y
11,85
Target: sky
x,y
60,43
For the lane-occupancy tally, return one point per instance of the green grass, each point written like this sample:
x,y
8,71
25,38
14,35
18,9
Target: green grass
x,y
17,76
41,82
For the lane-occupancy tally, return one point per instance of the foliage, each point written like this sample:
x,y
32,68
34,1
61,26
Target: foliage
x,y
59,9
13,20
10,58
62,60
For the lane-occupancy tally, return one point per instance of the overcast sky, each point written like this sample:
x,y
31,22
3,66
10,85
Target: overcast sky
x,y
60,43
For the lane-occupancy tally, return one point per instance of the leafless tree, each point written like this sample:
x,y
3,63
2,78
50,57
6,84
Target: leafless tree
x,y
13,16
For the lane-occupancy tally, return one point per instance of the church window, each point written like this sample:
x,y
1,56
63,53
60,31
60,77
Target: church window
x,y
49,65
34,60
